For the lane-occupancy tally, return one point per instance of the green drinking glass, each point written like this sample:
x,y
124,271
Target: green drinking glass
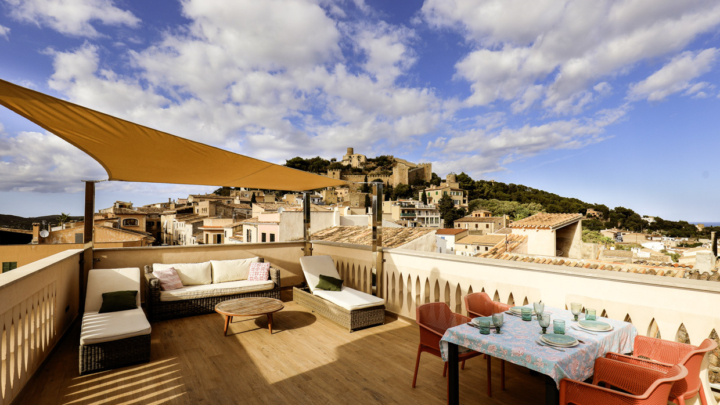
x,y
559,327
590,315
484,326
539,307
576,309
544,321
526,314
498,321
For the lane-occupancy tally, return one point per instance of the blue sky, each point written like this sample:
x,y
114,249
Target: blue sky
x,y
611,102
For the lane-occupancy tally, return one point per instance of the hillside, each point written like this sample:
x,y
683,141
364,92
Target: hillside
x,y
12,221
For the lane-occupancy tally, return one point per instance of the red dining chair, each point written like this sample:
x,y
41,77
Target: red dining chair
x,y
480,304
663,355
639,385
434,319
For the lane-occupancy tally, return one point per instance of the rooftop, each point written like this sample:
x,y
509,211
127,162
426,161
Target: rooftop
x,y
362,235
449,231
479,219
16,230
544,220
482,240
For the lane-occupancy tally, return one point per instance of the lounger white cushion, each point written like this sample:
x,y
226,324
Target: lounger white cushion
x,y
231,270
350,299
314,266
107,327
216,290
190,273
109,280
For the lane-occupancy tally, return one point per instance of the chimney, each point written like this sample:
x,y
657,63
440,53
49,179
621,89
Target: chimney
x,y
36,234
713,242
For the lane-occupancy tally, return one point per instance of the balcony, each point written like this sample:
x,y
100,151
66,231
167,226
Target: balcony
x,y
309,359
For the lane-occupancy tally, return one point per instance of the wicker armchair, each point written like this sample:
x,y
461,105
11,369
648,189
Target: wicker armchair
x,y
640,385
664,354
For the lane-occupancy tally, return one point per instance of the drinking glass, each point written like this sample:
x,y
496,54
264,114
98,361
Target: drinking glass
x,y
576,309
526,314
544,321
590,315
498,321
484,326
539,307
559,326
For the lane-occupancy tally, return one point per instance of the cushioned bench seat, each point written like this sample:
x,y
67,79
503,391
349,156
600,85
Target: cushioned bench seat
x,y
98,328
216,290
350,299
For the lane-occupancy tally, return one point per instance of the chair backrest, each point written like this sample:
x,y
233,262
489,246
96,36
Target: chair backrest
x,y
659,391
314,266
110,280
693,362
434,319
480,304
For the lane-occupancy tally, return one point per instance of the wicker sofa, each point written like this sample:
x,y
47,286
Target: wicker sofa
x,y
114,339
350,308
206,285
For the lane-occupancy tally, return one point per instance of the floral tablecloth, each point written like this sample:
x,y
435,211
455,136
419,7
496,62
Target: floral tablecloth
x,y
517,344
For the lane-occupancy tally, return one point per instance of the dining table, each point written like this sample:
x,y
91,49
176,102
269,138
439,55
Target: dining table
x,y
517,343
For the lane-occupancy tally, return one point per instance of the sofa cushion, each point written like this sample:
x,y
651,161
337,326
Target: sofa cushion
x,y
216,290
231,270
314,266
350,299
168,278
98,328
259,272
110,280
190,273
118,301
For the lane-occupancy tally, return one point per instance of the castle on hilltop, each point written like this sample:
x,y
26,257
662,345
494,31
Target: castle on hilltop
x,y
403,172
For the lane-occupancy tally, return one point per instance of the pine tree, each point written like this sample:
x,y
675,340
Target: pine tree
x,y
252,199
423,198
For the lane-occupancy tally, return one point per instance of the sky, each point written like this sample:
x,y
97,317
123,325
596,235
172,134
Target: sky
x,y
612,102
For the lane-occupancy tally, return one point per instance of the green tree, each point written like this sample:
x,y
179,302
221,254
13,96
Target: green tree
x,y
365,188
223,191
253,200
435,180
423,197
448,212
402,191
368,201
63,218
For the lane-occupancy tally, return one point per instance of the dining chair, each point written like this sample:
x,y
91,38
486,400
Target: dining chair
x,y
661,354
639,385
480,304
434,319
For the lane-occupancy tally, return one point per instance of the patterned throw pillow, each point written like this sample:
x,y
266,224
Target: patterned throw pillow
x,y
169,279
259,272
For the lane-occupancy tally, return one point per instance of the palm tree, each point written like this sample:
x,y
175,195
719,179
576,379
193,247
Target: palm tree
x,y
62,219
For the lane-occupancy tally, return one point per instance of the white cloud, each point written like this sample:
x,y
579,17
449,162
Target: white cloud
x,y
675,76
71,17
4,32
565,45
386,48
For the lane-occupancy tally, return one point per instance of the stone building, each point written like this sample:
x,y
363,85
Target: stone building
x,y
403,172
353,159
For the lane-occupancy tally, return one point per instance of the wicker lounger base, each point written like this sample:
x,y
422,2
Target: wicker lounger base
x,y
351,320
165,310
114,354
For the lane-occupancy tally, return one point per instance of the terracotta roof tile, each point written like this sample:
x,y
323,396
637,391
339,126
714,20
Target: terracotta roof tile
x,y
547,221
362,235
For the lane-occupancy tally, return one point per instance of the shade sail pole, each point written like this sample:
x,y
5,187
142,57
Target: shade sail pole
x,y
306,223
377,249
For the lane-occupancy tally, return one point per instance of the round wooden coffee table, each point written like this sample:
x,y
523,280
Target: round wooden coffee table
x,y
249,307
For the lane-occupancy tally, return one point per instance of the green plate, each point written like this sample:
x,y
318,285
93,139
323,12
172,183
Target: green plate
x,y
518,310
559,340
476,321
594,325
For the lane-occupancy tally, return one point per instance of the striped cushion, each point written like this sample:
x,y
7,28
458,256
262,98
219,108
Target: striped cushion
x,y
259,271
169,279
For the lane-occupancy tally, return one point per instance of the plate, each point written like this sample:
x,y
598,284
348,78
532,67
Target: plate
x,y
518,310
595,330
559,340
476,321
595,325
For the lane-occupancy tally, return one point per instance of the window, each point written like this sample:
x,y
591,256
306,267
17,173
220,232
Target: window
x,y
264,236
487,226
218,239
7,266
272,237
486,248
249,236
130,222
476,226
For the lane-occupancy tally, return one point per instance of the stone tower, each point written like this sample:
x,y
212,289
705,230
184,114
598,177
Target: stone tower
x,y
334,174
427,167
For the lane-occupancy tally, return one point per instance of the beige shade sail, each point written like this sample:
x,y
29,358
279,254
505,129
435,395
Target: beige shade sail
x,y
132,152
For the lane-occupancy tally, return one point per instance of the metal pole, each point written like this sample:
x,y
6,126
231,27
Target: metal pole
x,y
86,262
377,250
306,223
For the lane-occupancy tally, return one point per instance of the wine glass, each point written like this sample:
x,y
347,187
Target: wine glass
x,y
498,321
576,309
544,321
539,307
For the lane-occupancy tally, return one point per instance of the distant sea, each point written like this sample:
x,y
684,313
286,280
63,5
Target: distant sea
x,y
706,223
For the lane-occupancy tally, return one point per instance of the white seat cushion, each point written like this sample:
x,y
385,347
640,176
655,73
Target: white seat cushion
x,y
110,280
216,290
190,273
231,270
350,299
110,326
314,266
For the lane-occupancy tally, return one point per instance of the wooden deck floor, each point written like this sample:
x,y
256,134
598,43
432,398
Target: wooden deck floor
x,y
307,360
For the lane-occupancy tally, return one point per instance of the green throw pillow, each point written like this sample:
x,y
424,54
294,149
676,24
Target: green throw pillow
x,y
329,283
118,301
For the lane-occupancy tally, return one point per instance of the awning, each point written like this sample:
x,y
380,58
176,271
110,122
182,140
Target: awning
x,y
132,152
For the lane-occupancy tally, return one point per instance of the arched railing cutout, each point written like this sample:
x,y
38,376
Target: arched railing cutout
x,y
511,300
682,335
654,330
447,293
401,292
458,300
427,291
436,291
496,297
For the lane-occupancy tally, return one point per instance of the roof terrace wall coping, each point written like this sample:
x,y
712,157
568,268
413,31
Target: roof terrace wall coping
x,y
213,246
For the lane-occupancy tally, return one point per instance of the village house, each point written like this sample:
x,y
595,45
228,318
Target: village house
x,y
412,213
449,187
481,225
551,234
472,245
447,237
